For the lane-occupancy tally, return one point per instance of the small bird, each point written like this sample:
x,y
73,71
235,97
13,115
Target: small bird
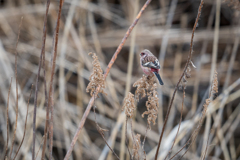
x,y
150,64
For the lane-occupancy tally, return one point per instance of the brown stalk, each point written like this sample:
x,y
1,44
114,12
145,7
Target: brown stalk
x,y
147,129
47,110
190,140
25,126
169,153
100,130
185,68
40,146
15,128
50,98
126,141
37,80
207,145
81,124
9,90
42,58
213,89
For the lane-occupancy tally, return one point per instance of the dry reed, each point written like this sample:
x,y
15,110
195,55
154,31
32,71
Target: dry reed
x,y
99,27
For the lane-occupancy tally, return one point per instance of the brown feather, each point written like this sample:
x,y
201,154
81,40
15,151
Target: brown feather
x,y
148,59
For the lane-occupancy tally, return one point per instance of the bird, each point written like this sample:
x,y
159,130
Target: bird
x,y
150,64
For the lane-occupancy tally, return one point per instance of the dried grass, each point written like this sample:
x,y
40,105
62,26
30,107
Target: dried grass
x,y
143,85
129,105
152,105
99,27
96,77
193,136
138,152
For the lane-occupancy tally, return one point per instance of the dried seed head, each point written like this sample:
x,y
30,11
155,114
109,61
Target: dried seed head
x,y
152,105
143,84
96,78
136,145
138,151
207,102
188,72
215,83
129,105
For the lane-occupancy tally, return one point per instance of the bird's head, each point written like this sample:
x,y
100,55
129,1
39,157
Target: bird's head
x,y
145,53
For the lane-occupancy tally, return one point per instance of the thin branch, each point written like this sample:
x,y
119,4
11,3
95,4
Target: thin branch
x,y
9,90
100,130
37,80
196,131
25,126
126,141
207,145
50,99
169,153
15,128
143,143
82,122
43,63
176,87
40,145
134,142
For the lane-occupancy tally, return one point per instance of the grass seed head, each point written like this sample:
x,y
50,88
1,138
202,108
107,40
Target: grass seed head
x,y
138,151
96,78
143,85
129,105
152,105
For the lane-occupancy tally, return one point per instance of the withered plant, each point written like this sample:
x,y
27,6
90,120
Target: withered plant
x,y
152,105
59,97
128,105
143,85
97,78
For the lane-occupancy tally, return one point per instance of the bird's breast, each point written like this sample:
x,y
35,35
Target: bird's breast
x,y
146,70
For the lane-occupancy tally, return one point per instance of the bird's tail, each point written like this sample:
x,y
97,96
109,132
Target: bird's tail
x,y
158,77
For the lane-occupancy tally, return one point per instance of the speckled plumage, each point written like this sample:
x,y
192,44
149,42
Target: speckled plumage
x,y
150,64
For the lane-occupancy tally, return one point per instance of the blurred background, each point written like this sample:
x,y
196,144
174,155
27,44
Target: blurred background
x,y
98,26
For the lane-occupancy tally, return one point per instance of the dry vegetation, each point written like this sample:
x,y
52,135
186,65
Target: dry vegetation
x,y
46,74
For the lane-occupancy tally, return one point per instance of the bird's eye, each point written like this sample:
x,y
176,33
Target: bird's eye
x,y
142,54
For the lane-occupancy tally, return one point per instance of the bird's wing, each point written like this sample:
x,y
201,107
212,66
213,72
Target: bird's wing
x,y
151,62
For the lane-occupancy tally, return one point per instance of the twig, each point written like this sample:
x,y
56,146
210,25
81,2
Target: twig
x,y
9,90
50,98
126,141
37,80
176,87
148,126
169,153
81,124
207,145
40,145
216,38
25,126
196,131
15,128
134,142
101,133
43,63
